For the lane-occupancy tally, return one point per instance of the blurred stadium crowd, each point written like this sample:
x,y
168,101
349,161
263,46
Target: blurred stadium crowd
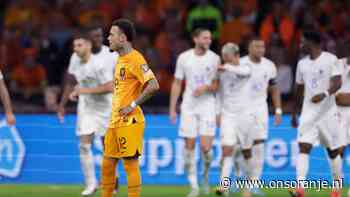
x,y
35,37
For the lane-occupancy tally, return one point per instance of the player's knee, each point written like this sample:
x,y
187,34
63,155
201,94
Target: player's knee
x,y
256,142
247,154
227,151
305,148
205,148
190,144
333,153
84,148
131,165
342,152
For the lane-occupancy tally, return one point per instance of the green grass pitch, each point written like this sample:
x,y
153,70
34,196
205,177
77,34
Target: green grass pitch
x,y
147,191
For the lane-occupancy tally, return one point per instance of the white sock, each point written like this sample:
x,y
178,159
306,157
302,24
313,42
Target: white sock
x,y
259,157
250,166
207,157
238,160
87,164
302,167
337,170
191,167
226,168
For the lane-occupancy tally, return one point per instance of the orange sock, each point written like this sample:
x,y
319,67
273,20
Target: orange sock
x,y
108,176
132,169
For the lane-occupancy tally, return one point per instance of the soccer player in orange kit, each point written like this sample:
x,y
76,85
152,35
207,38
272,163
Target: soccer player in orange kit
x,y
134,83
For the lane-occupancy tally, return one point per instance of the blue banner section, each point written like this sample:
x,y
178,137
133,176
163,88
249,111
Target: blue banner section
x,y
42,150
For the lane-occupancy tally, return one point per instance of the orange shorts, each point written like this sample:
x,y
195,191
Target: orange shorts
x,y
124,141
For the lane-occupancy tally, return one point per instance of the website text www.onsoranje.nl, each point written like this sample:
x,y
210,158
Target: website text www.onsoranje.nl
x,y
318,184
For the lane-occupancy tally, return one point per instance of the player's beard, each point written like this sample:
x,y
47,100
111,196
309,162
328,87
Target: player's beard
x,y
203,47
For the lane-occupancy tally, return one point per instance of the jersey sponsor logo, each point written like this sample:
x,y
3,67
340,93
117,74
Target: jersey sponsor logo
x,y
144,68
12,151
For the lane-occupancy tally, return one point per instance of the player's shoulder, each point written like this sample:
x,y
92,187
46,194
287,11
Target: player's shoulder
x,y
212,54
244,59
107,51
267,61
137,55
74,60
135,58
74,57
304,60
328,55
186,54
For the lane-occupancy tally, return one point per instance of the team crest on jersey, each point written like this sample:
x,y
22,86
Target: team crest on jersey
x,y
122,73
144,68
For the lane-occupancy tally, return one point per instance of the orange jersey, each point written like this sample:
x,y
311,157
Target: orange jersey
x,y
131,73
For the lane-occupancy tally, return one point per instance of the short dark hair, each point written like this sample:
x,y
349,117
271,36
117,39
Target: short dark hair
x,y
94,27
127,27
198,31
254,38
82,34
313,36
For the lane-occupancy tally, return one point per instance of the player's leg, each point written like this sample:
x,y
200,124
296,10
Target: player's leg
x,y
246,131
259,156
207,156
188,130
207,126
261,132
302,168
87,164
228,140
116,170
130,143
191,165
132,169
250,166
108,176
226,169
333,134
337,169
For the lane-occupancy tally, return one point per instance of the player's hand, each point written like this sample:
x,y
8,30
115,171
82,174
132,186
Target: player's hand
x,y
318,98
278,119
60,113
199,91
126,110
221,67
10,119
173,116
294,121
74,96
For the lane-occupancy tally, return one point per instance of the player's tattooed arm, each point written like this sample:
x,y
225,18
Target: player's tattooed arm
x,y
5,98
176,88
335,85
150,88
298,100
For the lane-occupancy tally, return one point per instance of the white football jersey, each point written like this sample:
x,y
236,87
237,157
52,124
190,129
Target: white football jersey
x,y
233,93
197,71
261,74
316,75
97,71
345,69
